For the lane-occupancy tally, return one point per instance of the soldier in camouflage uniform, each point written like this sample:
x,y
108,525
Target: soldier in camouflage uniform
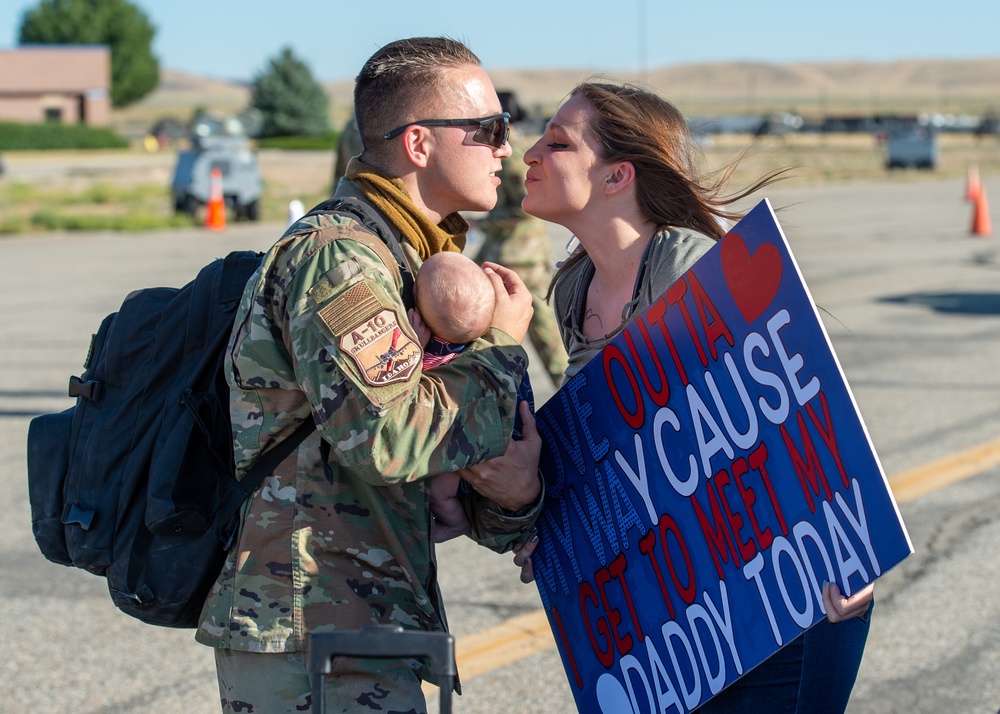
x,y
513,238
339,536
348,146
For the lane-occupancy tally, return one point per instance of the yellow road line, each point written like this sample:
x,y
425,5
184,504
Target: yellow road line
x,y
496,647
510,641
911,485
525,635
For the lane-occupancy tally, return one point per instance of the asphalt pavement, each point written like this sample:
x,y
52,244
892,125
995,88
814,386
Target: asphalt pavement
x,y
912,305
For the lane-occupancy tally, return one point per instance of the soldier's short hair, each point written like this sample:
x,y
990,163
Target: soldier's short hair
x,y
396,77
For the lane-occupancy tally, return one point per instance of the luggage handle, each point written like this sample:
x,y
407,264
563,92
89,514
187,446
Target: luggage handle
x,y
381,641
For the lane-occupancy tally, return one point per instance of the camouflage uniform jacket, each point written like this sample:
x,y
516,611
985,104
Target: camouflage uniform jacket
x,y
339,536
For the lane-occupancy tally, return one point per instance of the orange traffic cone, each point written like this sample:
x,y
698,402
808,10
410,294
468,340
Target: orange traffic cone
x,y
215,214
972,184
981,215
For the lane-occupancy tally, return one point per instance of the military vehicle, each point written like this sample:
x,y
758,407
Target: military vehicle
x,y
222,145
915,146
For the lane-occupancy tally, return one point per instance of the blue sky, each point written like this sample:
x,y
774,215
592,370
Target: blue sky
x,y
234,39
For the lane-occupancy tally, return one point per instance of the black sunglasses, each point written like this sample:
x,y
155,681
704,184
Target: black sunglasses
x,y
493,131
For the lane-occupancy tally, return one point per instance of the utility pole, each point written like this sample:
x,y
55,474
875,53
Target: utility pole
x,y
641,38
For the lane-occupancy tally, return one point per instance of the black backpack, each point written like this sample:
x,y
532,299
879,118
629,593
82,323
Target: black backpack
x,y
137,482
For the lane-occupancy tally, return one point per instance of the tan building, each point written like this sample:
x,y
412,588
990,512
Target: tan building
x,y
70,84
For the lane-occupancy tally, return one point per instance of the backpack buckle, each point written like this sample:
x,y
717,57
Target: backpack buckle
x,y
91,389
74,515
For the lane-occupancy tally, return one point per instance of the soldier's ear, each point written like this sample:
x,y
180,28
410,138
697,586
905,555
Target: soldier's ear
x,y
417,143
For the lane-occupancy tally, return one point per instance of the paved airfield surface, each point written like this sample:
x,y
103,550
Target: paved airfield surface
x,y
911,302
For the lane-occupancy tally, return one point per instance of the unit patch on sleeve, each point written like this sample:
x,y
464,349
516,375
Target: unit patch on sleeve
x,y
381,349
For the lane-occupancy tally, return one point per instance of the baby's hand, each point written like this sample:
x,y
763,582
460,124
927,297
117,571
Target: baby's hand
x,y
423,332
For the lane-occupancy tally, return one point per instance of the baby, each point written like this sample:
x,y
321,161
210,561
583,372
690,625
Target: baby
x,y
454,305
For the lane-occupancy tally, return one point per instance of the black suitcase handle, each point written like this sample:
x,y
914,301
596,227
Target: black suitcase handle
x,y
386,641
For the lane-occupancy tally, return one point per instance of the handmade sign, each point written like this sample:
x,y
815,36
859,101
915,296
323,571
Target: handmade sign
x,y
705,475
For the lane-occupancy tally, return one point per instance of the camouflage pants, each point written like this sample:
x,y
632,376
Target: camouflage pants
x,y
523,246
254,683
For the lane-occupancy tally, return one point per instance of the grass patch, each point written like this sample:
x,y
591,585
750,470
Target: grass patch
x,y
105,206
326,142
54,220
15,136
16,192
33,208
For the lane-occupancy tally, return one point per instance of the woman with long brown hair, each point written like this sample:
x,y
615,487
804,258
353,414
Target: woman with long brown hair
x,y
617,167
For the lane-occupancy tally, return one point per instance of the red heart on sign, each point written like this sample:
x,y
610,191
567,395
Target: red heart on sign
x,y
753,280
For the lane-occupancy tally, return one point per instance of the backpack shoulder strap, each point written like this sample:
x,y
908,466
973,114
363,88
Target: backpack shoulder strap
x,y
387,247
269,460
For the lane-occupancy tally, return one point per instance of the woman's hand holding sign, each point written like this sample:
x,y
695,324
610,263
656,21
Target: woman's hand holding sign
x,y
840,608
522,558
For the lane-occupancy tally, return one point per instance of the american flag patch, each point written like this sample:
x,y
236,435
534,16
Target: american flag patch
x,y
355,306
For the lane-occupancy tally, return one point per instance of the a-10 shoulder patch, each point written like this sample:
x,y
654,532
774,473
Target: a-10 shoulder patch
x,y
381,349
371,335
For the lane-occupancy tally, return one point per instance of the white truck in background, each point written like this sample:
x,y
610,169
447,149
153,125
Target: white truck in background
x,y
915,146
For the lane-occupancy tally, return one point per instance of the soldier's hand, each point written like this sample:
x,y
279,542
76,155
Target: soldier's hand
x,y
511,481
513,309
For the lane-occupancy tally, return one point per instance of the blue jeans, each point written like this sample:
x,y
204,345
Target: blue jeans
x,y
813,674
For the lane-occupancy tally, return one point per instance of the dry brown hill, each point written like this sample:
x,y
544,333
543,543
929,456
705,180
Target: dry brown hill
x,y
178,89
912,85
813,89
810,88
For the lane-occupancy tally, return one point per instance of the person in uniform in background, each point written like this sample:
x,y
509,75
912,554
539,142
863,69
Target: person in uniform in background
x,y
348,146
521,242
454,303
339,536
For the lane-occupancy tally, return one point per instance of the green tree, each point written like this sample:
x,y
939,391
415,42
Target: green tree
x,y
119,24
290,101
